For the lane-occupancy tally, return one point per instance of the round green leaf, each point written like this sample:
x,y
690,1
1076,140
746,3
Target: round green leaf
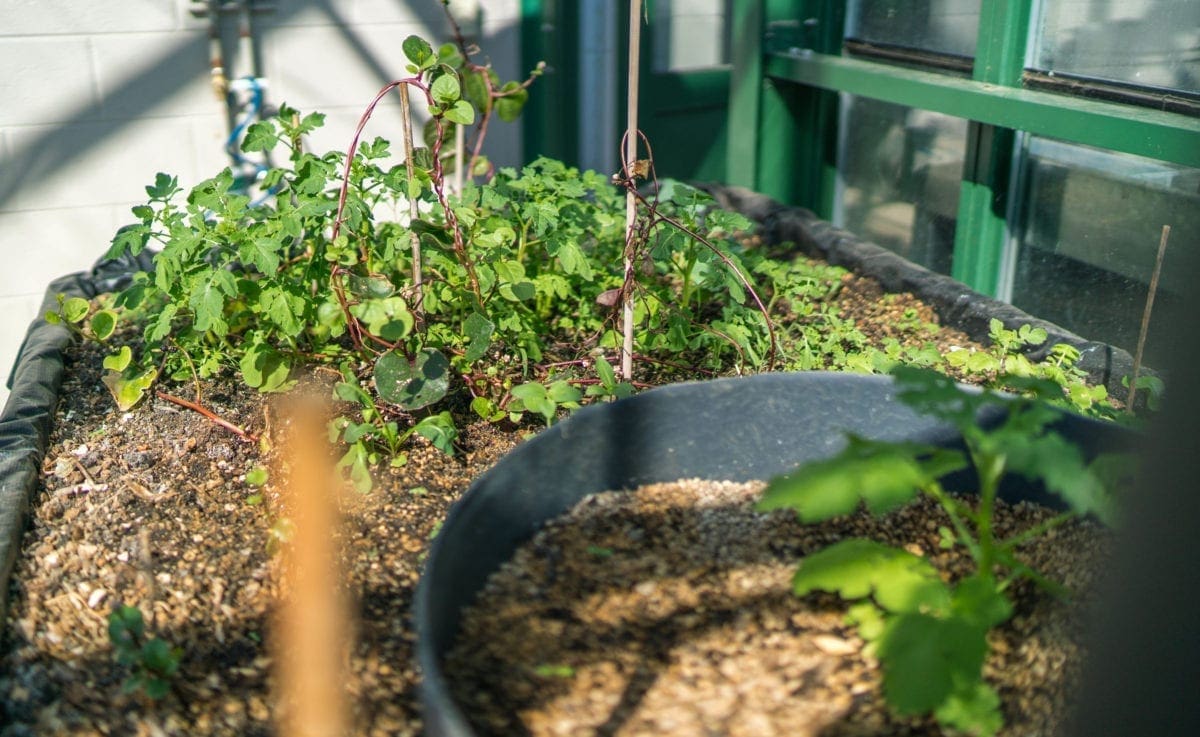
x,y
104,323
418,51
119,360
461,112
445,89
75,309
415,383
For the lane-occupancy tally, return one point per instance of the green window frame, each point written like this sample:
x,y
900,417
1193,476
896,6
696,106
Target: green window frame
x,y
788,72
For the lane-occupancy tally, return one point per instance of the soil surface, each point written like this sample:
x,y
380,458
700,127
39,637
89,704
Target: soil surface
x,y
151,508
668,610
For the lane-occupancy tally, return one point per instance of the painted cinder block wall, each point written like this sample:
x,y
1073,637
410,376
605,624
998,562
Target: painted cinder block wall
x,y
96,97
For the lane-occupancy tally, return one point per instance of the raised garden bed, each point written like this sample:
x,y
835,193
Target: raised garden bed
x,y
121,499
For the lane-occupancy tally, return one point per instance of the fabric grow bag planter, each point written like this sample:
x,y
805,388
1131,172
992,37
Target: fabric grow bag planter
x,y
957,305
730,429
34,382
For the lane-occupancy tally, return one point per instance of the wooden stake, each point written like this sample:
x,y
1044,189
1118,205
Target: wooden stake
x,y
631,146
1141,344
313,635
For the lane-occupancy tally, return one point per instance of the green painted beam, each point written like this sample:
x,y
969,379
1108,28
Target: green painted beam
x,y
745,94
981,227
1159,135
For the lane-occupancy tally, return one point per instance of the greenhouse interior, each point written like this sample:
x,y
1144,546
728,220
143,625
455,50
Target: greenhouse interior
x,y
599,367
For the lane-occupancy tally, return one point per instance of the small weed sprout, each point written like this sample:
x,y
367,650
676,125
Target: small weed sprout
x,y
152,661
930,636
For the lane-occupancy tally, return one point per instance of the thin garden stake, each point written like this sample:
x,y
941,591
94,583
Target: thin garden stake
x,y
631,142
1141,344
406,113
313,625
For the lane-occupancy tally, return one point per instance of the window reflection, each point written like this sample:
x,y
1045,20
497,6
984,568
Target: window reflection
x,y
944,26
1089,233
689,35
1150,43
899,175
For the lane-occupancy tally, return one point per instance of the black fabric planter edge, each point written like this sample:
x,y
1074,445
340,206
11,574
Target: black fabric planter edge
x,y
35,382
957,305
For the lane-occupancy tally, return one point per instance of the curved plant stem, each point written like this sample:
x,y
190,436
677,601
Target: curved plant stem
x,y
208,414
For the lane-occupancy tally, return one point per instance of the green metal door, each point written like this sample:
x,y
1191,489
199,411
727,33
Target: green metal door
x,y
684,81
685,86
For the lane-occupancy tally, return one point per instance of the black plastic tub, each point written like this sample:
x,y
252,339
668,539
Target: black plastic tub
x,y
729,429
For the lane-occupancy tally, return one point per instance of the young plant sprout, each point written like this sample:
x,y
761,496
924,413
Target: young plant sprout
x,y
931,636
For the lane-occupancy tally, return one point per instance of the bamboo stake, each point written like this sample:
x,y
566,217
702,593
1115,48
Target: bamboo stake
x,y
1141,344
406,113
631,142
313,621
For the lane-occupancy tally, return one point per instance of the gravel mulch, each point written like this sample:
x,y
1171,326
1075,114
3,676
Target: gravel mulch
x,y
667,610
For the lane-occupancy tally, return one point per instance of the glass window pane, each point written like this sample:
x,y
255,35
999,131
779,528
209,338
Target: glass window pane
x,y
899,175
1151,43
945,26
1086,247
689,35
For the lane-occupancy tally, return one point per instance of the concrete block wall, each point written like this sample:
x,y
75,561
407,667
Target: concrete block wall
x,y
98,97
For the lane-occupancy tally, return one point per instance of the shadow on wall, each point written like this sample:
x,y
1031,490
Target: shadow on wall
x,y
161,76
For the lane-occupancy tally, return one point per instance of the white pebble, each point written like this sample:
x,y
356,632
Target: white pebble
x,y
96,598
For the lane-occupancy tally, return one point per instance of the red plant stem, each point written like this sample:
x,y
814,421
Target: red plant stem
x,y
208,414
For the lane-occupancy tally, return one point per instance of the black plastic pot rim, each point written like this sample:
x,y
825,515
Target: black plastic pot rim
x,y
728,429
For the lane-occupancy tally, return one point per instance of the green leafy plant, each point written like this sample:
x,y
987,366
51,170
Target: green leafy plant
x,y
931,636
1005,358
152,661
78,316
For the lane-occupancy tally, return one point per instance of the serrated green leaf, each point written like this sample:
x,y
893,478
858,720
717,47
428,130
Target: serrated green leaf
x,y
164,186
260,136
207,300
977,599
533,397
924,658
974,710
884,476
353,465
574,261
478,330
898,580
130,239
415,383
262,253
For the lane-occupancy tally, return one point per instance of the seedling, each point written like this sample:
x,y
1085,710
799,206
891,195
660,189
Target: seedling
x,y
931,636
152,661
